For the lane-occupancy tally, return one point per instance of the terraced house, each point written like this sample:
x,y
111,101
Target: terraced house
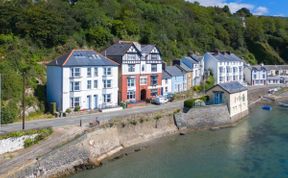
x,y
225,66
255,75
140,72
82,78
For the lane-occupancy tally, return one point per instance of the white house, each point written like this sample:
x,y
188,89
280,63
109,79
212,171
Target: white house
x,y
82,78
225,66
166,83
196,63
255,75
234,95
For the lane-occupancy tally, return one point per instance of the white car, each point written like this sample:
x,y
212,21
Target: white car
x,y
159,100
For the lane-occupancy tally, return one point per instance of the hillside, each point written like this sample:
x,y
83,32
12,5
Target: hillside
x,y
32,34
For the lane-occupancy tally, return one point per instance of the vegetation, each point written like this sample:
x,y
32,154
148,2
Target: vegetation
x,y
190,103
41,132
33,33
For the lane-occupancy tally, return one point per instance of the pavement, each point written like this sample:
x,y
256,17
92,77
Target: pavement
x,y
75,120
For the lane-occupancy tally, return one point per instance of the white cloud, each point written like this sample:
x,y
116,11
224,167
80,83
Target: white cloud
x,y
234,6
261,10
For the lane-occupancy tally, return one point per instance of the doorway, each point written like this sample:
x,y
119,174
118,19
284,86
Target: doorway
x,y
143,95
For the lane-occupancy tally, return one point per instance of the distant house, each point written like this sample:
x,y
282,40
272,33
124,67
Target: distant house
x,y
82,78
196,63
178,79
140,70
225,66
188,75
166,83
255,75
233,94
277,74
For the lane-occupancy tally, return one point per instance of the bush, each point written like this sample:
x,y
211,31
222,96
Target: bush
x,y
68,111
133,122
157,117
77,108
189,103
28,142
9,113
53,108
197,88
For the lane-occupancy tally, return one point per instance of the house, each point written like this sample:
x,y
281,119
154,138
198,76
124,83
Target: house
x,y
233,94
225,66
196,63
255,75
82,78
166,83
277,74
140,70
178,79
187,71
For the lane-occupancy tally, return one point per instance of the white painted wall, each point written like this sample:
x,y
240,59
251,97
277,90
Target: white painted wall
x,y
14,143
167,83
238,102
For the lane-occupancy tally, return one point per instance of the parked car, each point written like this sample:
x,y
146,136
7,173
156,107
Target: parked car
x,y
170,96
159,100
273,90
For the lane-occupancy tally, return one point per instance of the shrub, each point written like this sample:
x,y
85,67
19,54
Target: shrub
x,y
9,113
68,111
157,117
204,98
176,111
53,108
77,108
141,120
197,88
189,103
133,122
28,142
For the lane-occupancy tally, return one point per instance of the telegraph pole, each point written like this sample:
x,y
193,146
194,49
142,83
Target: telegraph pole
x,y
0,101
23,102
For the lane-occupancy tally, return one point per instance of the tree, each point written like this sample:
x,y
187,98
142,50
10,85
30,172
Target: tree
x,y
243,12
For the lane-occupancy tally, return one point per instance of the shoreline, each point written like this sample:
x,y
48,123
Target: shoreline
x,y
114,140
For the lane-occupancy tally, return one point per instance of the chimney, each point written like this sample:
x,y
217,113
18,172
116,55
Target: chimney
x,y
164,65
190,53
176,62
228,52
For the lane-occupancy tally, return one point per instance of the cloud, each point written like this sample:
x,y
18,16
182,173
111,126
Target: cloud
x,y
261,10
234,6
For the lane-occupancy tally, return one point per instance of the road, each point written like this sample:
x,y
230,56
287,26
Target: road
x,y
57,122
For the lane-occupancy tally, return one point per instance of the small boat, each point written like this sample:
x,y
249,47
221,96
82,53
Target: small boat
x,y
283,104
267,107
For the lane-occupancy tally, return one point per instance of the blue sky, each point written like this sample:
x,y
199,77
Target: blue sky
x,y
257,7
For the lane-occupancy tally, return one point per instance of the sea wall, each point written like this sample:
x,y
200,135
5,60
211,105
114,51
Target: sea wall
x,y
99,143
213,116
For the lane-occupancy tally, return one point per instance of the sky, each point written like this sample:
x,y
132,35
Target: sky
x,y
257,7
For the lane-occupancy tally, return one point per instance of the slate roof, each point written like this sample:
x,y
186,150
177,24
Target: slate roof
x,y
196,57
165,75
225,57
174,71
190,59
80,57
147,48
185,68
258,67
119,49
232,87
276,67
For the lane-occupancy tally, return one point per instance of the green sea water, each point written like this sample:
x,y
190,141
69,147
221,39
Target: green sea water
x,y
257,147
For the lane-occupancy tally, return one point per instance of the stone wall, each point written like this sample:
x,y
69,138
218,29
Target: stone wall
x,y
100,143
207,117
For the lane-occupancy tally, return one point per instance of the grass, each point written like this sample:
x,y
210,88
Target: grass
x,y
42,132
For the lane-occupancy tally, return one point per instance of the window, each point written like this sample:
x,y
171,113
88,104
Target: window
x,y
95,83
107,71
221,70
75,72
234,69
75,102
263,76
240,69
166,81
130,95
154,92
143,81
154,67
107,83
255,76
143,68
75,86
131,82
234,77
154,56
131,56
154,80
131,67
166,89
89,85
107,98
228,69
95,72
88,72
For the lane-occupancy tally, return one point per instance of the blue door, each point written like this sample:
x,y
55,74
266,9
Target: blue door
x,y
218,97
95,101
88,102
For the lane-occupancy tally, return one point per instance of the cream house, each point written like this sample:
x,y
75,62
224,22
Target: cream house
x,y
234,95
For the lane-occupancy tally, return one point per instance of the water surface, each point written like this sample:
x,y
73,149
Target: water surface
x,y
257,147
